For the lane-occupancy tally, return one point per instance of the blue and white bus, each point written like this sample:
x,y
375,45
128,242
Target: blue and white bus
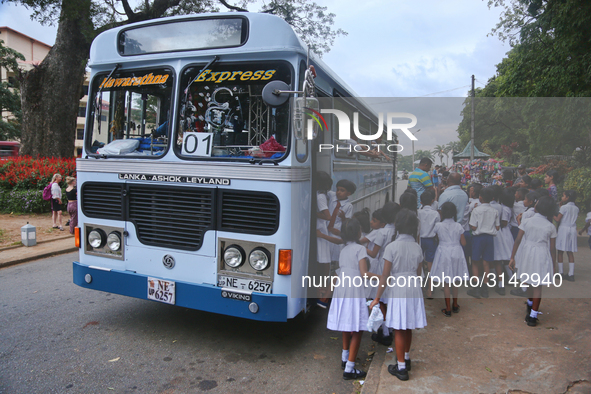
x,y
193,190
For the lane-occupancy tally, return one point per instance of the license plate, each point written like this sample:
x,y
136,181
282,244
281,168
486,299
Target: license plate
x,y
161,290
244,284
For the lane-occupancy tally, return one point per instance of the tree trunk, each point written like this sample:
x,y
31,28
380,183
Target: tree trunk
x,y
51,92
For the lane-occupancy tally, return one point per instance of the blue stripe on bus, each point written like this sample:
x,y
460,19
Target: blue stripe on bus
x,y
272,307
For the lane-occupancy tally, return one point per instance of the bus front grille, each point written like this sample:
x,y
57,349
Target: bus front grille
x,y
178,217
172,217
248,212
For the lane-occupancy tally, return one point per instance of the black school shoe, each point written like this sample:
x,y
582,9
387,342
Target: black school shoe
x,y
500,290
343,364
528,309
484,292
380,338
531,321
407,362
474,292
518,292
393,370
570,278
356,374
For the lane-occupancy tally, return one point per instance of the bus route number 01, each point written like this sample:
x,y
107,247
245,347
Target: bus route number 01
x,y
197,144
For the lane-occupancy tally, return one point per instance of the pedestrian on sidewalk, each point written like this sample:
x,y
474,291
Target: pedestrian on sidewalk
x,y
428,218
449,264
484,223
56,202
535,260
348,310
566,240
406,309
72,194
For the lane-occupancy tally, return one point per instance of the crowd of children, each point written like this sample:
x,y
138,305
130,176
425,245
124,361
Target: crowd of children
x,y
502,234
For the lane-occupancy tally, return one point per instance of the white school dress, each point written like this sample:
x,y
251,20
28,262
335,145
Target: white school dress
x,y
449,261
533,255
567,230
348,309
376,237
323,245
503,241
528,214
406,308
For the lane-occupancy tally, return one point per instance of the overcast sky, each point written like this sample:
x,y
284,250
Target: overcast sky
x,y
393,49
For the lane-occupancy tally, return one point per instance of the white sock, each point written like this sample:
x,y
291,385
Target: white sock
x,y
385,330
571,269
560,268
345,355
501,284
523,288
406,356
401,365
533,314
350,367
530,303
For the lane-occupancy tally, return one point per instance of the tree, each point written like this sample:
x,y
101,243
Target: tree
x,y
440,151
10,101
51,91
419,154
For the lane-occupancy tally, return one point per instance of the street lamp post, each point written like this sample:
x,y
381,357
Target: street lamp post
x,y
413,150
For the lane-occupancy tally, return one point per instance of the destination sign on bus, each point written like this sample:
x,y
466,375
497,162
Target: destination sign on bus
x,y
175,179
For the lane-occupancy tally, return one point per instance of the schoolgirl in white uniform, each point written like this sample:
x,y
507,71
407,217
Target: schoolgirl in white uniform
x,y
504,240
406,309
348,310
449,262
566,241
533,254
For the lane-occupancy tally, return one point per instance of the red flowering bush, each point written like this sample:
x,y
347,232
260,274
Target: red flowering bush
x,y
561,166
24,173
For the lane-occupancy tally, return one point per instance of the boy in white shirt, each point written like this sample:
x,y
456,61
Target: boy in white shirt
x,y
428,218
484,223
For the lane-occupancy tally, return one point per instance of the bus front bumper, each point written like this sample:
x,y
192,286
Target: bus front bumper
x,y
204,297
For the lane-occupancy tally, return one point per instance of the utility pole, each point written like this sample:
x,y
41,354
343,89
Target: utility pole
x,y
472,124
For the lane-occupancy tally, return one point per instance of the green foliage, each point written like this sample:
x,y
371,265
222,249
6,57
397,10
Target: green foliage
x,y
9,95
405,163
579,180
23,201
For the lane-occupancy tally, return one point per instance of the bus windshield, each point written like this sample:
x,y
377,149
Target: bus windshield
x,y
130,112
221,112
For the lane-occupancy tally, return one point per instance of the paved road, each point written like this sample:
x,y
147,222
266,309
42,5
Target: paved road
x,y
59,338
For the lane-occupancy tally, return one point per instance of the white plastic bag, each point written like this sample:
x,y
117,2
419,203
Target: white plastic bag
x,y
376,318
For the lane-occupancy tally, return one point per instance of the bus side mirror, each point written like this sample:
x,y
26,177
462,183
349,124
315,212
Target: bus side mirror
x,y
306,122
276,93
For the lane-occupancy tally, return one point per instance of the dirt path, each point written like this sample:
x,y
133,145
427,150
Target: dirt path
x,y
10,227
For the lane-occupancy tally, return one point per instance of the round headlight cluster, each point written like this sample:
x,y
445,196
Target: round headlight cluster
x,y
114,241
259,259
234,256
97,238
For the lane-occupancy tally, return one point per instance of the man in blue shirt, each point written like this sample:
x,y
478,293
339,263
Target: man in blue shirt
x,y
420,180
455,194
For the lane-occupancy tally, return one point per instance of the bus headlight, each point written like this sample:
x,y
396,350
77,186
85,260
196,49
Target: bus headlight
x,y
114,241
97,238
259,259
234,256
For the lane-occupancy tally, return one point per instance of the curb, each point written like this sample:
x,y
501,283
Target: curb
x,y
372,380
37,257
38,243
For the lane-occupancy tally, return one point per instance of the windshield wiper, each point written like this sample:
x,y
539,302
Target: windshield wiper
x,y
99,102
